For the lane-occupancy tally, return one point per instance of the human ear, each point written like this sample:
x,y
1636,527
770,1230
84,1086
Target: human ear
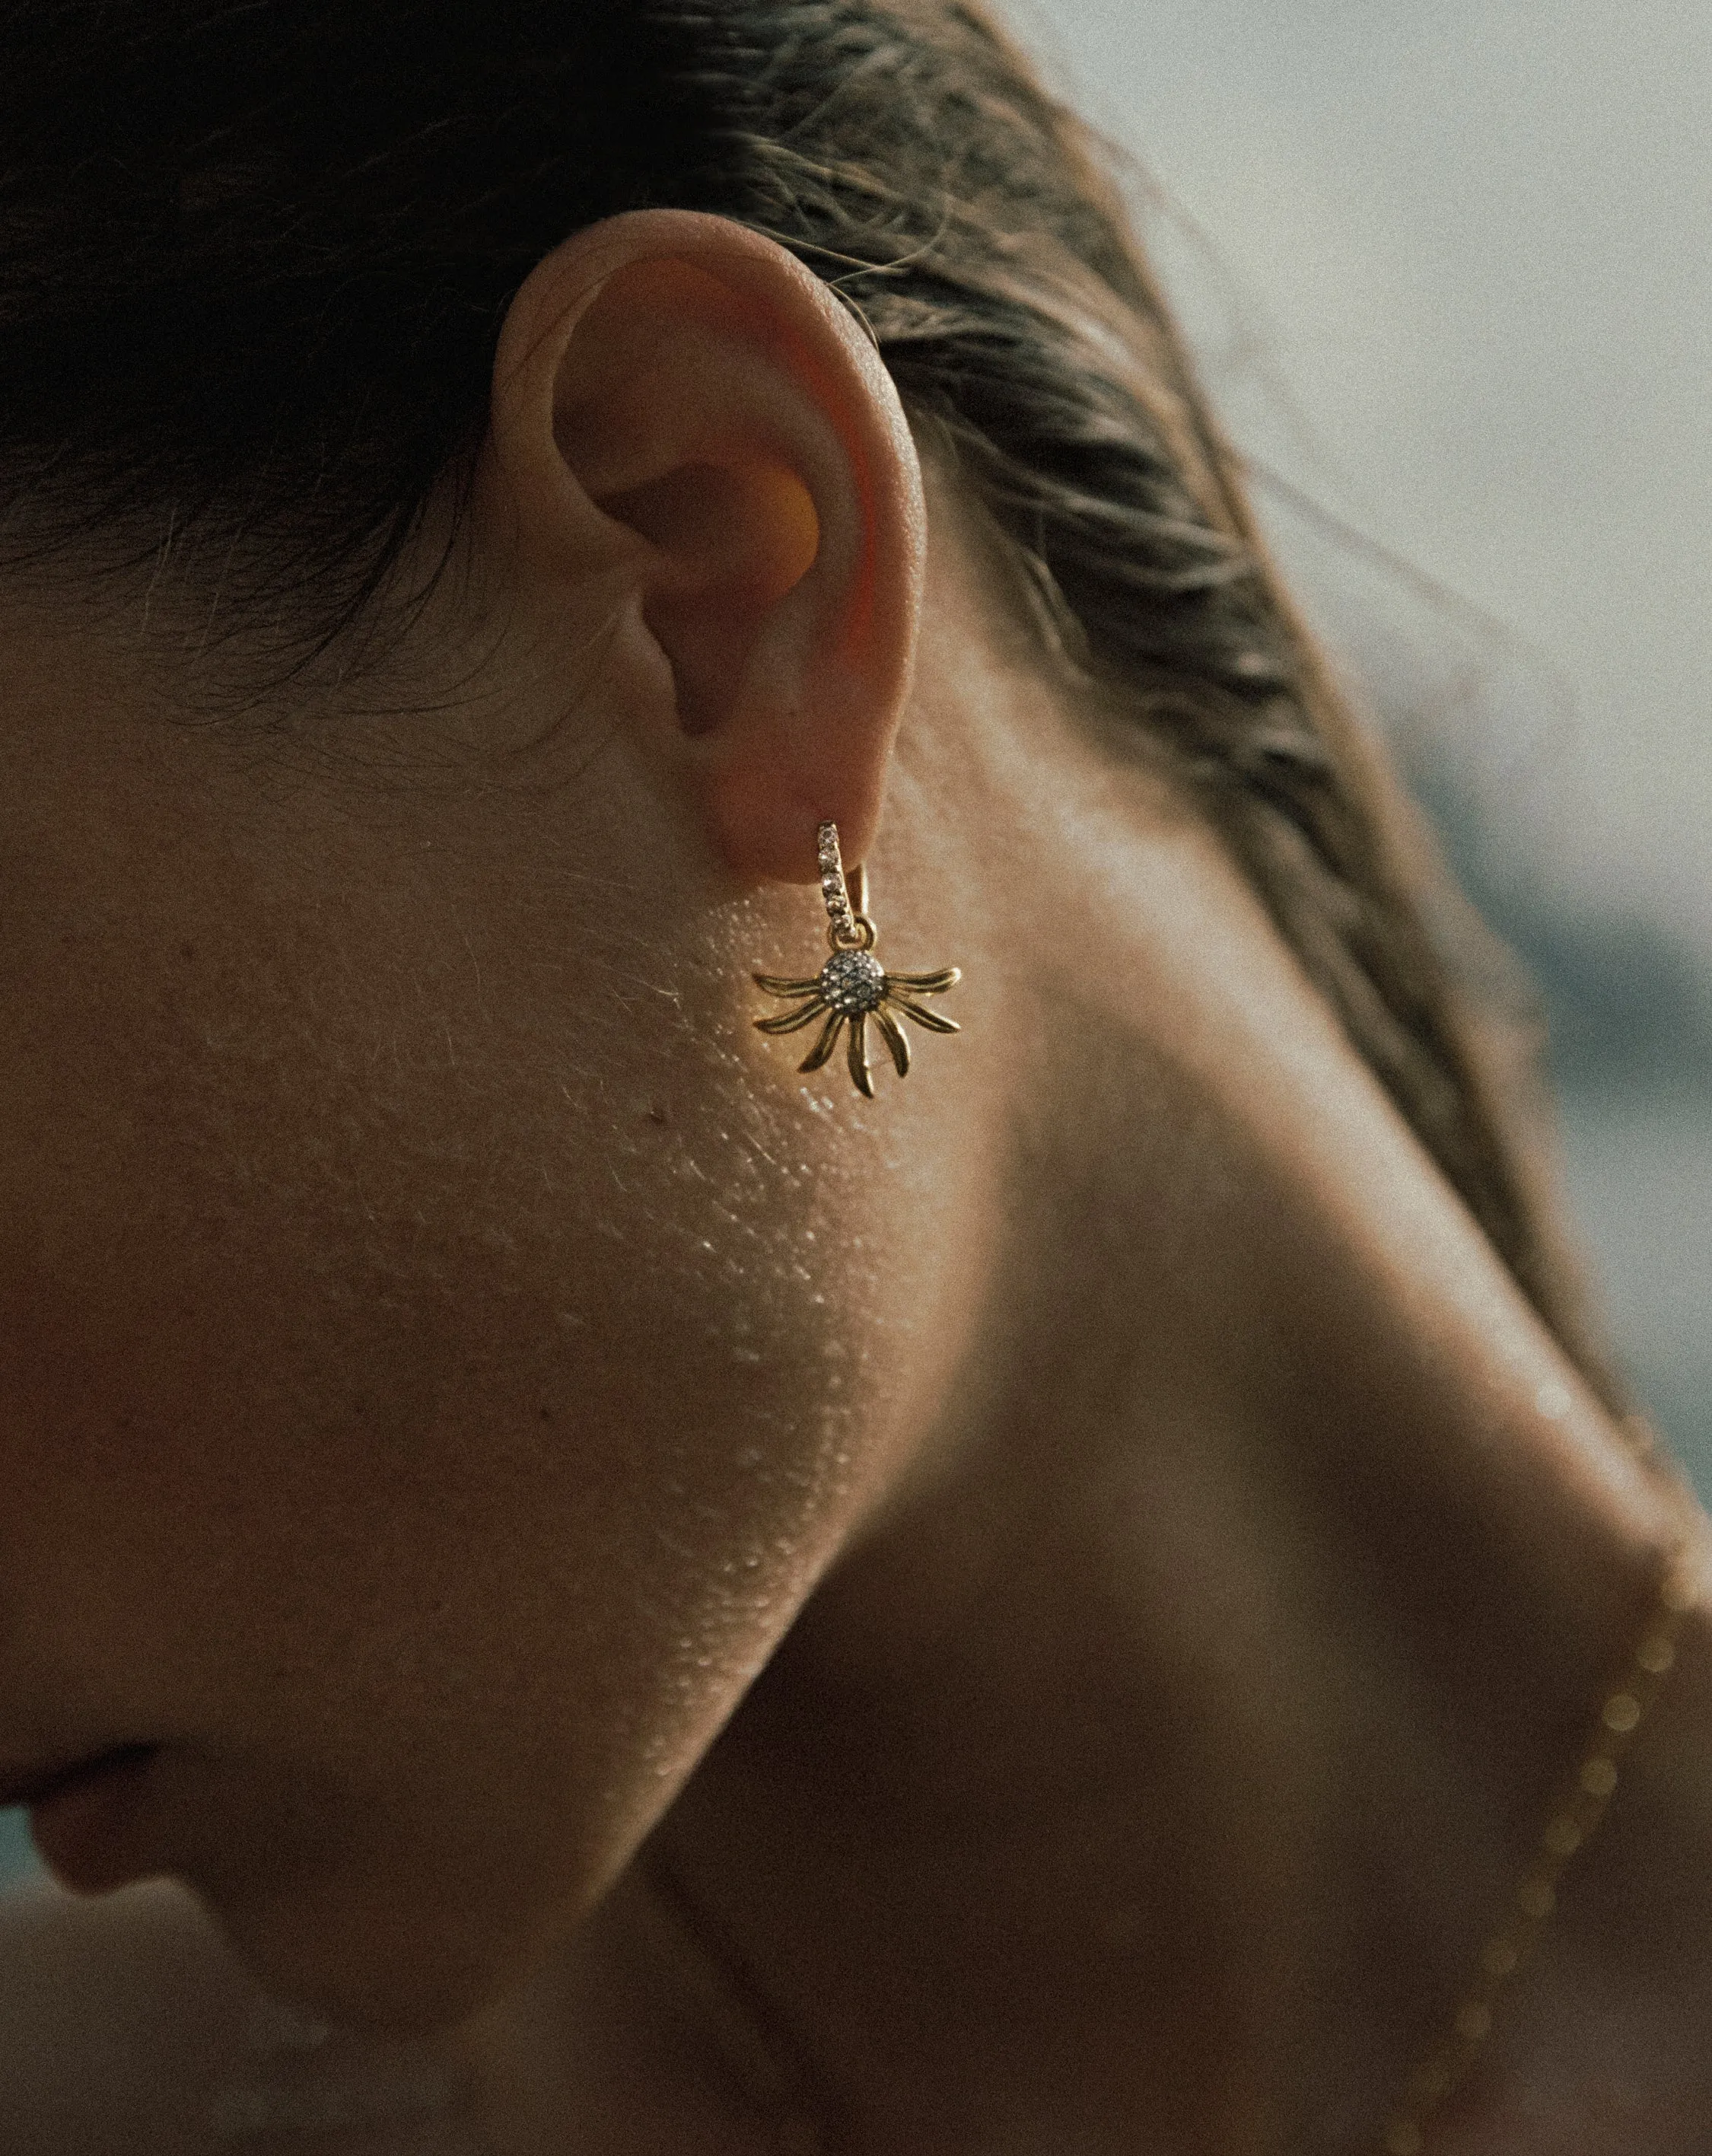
x,y
694,435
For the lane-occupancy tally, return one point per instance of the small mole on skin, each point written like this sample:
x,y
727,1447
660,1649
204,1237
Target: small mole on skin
x,y
547,1415
186,950
656,1114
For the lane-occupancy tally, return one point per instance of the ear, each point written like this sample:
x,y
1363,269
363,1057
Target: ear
x,y
694,438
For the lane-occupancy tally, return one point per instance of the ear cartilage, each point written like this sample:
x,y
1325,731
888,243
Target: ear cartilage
x,y
853,988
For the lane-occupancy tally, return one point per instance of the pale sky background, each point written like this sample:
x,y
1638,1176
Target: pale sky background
x,y
1471,240
1448,267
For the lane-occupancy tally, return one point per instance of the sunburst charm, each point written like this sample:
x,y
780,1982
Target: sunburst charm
x,y
853,988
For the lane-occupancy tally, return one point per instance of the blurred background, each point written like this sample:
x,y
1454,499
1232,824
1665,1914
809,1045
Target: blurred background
x,y
1446,264
1446,267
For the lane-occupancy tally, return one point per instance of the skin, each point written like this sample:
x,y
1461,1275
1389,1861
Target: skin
x,y
1044,1612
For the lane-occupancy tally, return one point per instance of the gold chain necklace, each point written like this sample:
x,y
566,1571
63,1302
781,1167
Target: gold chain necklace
x,y
1575,1814
772,2073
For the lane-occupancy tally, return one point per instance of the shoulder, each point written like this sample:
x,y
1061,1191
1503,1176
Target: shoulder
x,y
115,2016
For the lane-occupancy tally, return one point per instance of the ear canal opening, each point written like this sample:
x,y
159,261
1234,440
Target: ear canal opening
x,y
749,528
735,539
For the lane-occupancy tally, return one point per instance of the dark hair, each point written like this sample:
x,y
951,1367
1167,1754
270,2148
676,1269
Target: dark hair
x,y
254,258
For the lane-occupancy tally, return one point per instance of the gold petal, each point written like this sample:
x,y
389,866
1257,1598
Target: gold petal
x,y
821,1051
930,1019
775,984
859,1071
788,1021
928,984
895,1039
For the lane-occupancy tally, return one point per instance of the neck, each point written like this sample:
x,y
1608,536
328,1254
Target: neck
x,y
1151,1773
1148,1774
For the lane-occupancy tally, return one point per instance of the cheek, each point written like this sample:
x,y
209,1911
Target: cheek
x,y
427,1436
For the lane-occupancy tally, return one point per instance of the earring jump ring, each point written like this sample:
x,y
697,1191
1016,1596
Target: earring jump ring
x,y
860,935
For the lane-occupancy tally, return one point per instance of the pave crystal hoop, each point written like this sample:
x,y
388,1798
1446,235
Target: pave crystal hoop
x,y
853,988
848,928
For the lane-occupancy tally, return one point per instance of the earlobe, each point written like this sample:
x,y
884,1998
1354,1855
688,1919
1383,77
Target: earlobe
x,y
682,414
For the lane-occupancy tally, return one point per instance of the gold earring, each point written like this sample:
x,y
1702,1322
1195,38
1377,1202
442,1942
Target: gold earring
x,y
852,987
